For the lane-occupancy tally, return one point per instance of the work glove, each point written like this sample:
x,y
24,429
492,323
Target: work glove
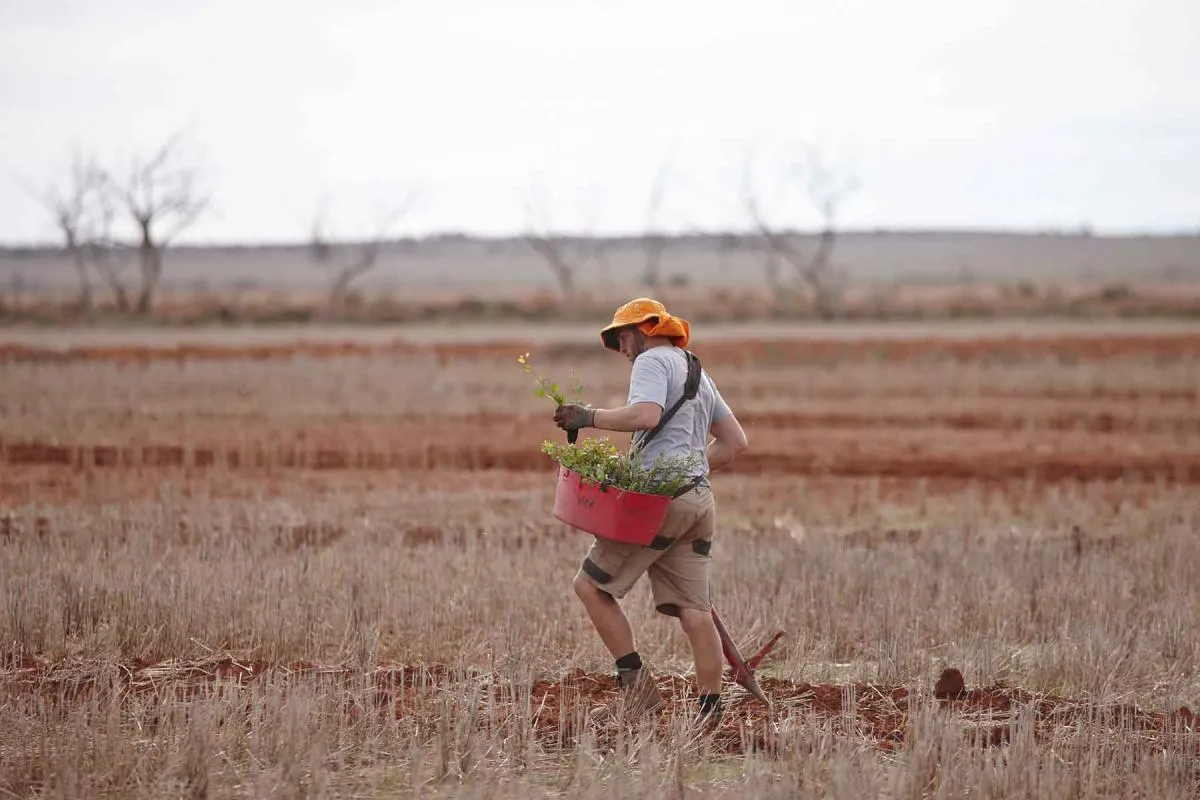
x,y
573,416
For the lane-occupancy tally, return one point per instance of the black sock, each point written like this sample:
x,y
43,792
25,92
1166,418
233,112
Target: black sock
x,y
710,703
629,661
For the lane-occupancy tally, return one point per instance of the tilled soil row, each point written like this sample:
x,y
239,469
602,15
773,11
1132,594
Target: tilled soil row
x,y
982,463
1099,347
558,711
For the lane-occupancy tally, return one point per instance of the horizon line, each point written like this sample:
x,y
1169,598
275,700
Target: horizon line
x,y
1078,231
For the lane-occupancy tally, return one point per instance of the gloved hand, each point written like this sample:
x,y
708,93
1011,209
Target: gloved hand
x,y
573,416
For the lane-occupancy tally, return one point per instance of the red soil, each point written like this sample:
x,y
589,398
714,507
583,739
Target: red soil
x,y
557,709
991,434
725,351
512,444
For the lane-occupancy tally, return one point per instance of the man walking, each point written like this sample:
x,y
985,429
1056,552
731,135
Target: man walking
x,y
663,422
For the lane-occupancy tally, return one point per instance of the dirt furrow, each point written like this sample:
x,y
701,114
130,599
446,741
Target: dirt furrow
x,y
725,351
996,463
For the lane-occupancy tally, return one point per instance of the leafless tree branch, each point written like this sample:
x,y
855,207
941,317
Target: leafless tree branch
x,y
564,255
655,240
84,214
70,208
825,189
107,253
345,262
162,197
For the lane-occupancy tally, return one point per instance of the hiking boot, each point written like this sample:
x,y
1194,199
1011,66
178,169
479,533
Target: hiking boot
x,y
637,696
710,717
640,691
708,720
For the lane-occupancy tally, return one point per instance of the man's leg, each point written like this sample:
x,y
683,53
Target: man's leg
x,y
592,586
606,616
707,655
679,582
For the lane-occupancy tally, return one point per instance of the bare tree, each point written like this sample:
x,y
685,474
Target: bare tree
x,y
771,271
825,188
163,199
108,255
655,240
565,255
727,246
345,262
72,209
84,212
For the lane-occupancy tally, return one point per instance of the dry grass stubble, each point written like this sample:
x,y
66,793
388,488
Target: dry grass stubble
x,y
280,631
1070,595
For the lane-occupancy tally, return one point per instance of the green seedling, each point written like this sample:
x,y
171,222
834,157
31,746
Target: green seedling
x,y
549,389
600,462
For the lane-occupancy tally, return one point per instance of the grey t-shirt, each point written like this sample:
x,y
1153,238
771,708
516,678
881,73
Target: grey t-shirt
x,y
658,377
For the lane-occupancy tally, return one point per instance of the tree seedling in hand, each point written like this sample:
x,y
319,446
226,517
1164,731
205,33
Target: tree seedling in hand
x,y
549,389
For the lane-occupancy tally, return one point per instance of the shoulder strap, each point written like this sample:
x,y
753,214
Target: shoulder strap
x,y
691,387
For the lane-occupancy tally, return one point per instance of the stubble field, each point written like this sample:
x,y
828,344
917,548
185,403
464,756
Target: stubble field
x,y
267,569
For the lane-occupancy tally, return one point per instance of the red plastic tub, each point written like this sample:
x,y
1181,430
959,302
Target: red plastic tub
x,y
608,512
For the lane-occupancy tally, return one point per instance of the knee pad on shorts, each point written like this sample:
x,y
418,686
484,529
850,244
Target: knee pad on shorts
x,y
593,571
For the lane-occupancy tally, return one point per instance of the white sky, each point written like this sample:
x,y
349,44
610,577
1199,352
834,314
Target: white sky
x,y
1030,114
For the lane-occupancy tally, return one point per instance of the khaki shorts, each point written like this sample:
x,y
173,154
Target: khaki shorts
x,y
677,561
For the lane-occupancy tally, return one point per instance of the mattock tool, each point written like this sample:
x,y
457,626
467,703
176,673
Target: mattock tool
x,y
743,670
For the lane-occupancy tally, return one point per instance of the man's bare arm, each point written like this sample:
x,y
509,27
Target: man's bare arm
x,y
728,441
636,417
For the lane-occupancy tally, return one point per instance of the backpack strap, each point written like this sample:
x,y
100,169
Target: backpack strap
x,y
691,387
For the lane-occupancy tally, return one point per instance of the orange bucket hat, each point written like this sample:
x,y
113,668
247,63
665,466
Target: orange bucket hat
x,y
651,318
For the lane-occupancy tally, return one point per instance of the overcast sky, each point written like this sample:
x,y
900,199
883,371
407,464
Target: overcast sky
x,y
1028,114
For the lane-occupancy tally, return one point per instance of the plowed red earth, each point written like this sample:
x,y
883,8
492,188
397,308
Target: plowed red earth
x,y
728,351
557,710
990,432
1061,445
845,429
